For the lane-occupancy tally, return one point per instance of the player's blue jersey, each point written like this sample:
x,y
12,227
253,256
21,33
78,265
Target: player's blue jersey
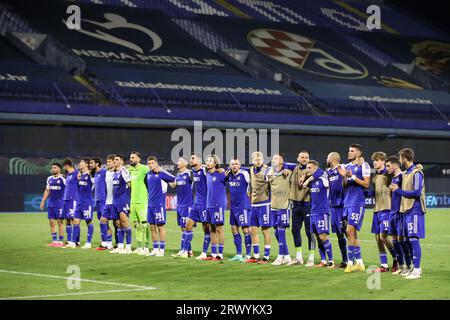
x,y
217,191
238,184
85,186
318,189
121,191
199,177
157,187
184,189
336,190
396,197
56,187
100,185
354,193
71,190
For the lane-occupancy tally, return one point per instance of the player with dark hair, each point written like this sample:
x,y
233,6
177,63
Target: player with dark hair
x,y
356,178
382,211
54,192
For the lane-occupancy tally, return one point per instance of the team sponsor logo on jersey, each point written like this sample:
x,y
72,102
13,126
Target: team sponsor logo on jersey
x,y
306,54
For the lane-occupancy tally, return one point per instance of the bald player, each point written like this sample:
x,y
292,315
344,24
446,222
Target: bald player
x,y
336,200
301,208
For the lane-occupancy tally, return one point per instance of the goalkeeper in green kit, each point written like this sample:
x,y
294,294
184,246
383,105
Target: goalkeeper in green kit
x,y
139,203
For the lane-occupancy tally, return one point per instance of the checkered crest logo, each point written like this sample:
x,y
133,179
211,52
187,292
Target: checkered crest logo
x,y
285,47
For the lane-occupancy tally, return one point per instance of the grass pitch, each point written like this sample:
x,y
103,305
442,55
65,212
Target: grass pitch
x,y
30,270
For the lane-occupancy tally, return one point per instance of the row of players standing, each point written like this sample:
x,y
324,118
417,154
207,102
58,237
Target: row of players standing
x,y
261,197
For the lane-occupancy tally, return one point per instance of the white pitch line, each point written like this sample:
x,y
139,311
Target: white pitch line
x,y
82,280
73,294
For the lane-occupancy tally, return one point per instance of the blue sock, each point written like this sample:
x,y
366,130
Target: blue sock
x,y
406,254
281,240
328,249
129,235
120,235
267,251
162,245
220,248
351,253
61,237
155,244
256,249
417,252
213,249
54,236
183,238
206,241
109,237
75,232
399,251
187,240
103,231
78,235
383,258
323,254
248,244
393,253
69,232
358,252
90,232
238,243
343,247
410,249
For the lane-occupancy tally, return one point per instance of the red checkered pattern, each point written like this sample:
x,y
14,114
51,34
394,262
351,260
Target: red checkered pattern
x,y
285,47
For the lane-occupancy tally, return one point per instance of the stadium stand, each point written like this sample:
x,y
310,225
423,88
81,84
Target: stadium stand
x,y
225,65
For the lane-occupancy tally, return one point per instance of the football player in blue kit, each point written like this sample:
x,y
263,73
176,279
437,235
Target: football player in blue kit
x,y
238,184
105,230
157,182
85,203
185,201
412,207
320,211
216,202
121,206
70,197
336,200
54,193
95,165
393,168
356,178
198,213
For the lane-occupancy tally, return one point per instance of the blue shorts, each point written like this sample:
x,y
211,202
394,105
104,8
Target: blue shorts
x,y
240,218
216,215
262,217
55,213
395,224
83,212
415,224
320,223
107,211
69,209
199,214
282,217
355,216
156,215
119,207
338,221
99,207
380,222
183,214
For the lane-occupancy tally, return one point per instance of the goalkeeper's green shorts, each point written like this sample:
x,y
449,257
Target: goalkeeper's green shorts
x,y
138,212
